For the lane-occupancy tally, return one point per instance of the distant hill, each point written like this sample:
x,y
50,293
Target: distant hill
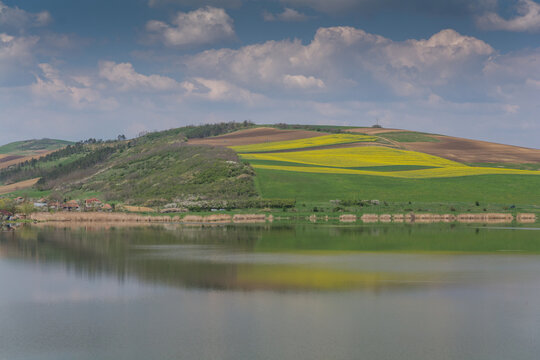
x,y
156,168
244,165
33,147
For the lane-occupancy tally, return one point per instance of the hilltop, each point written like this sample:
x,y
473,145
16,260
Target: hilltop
x,y
244,165
33,147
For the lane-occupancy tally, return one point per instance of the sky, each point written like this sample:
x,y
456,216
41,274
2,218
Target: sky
x,y
80,69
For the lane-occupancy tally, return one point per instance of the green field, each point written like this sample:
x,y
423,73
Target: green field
x,y
493,189
29,147
408,136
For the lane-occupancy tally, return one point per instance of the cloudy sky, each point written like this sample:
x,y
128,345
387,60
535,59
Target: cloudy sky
x,y
80,69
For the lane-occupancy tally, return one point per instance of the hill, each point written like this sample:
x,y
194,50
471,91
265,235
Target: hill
x,y
242,165
27,150
154,169
33,147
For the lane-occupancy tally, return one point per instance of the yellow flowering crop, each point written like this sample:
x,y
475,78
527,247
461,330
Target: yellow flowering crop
x,y
356,157
407,174
340,161
304,143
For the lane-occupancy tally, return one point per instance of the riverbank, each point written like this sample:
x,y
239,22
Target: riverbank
x,y
411,218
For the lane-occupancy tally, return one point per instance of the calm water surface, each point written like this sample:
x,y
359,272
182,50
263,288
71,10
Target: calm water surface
x,y
270,292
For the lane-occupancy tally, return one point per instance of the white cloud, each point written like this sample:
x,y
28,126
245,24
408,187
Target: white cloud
x,y
528,18
16,48
16,56
76,92
287,15
18,18
341,58
125,76
202,26
303,82
218,90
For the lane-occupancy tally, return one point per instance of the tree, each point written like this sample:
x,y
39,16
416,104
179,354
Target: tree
x,y
26,208
121,137
7,205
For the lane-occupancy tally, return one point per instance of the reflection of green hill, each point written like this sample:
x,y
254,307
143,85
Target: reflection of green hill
x,y
397,238
253,257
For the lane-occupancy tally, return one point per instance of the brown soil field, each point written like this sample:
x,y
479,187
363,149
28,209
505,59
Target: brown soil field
x,y
325,147
374,131
465,150
8,160
256,136
5,189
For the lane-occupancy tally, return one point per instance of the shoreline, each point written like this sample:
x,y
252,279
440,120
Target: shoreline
x,y
400,218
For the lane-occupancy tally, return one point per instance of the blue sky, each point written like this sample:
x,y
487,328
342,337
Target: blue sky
x,y
80,69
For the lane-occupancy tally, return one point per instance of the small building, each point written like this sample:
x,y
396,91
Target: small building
x,y
19,199
54,205
40,205
71,205
107,207
92,203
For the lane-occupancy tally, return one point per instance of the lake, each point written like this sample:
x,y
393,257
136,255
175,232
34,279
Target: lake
x,y
280,291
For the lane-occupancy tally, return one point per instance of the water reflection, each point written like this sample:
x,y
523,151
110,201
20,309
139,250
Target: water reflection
x,y
268,257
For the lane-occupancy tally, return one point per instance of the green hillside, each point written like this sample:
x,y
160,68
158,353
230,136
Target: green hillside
x,y
313,171
154,169
31,147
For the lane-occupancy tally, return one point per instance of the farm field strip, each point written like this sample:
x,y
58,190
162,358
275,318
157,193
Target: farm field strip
x,y
408,174
365,160
325,140
356,157
21,185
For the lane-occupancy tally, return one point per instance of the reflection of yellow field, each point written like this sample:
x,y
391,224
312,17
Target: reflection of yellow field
x,y
356,157
304,143
340,161
21,185
293,277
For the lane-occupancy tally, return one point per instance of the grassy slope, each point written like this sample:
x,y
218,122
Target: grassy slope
x,y
165,171
496,189
407,136
156,167
29,147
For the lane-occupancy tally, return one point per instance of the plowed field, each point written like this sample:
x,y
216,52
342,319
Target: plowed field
x,y
256,136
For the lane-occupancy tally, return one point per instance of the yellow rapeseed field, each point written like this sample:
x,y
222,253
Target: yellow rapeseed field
x,y
408,174
356,157
340,161
304,143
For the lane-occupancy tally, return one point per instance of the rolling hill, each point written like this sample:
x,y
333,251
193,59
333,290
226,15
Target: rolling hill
x,y
21,151
242,164
33,147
